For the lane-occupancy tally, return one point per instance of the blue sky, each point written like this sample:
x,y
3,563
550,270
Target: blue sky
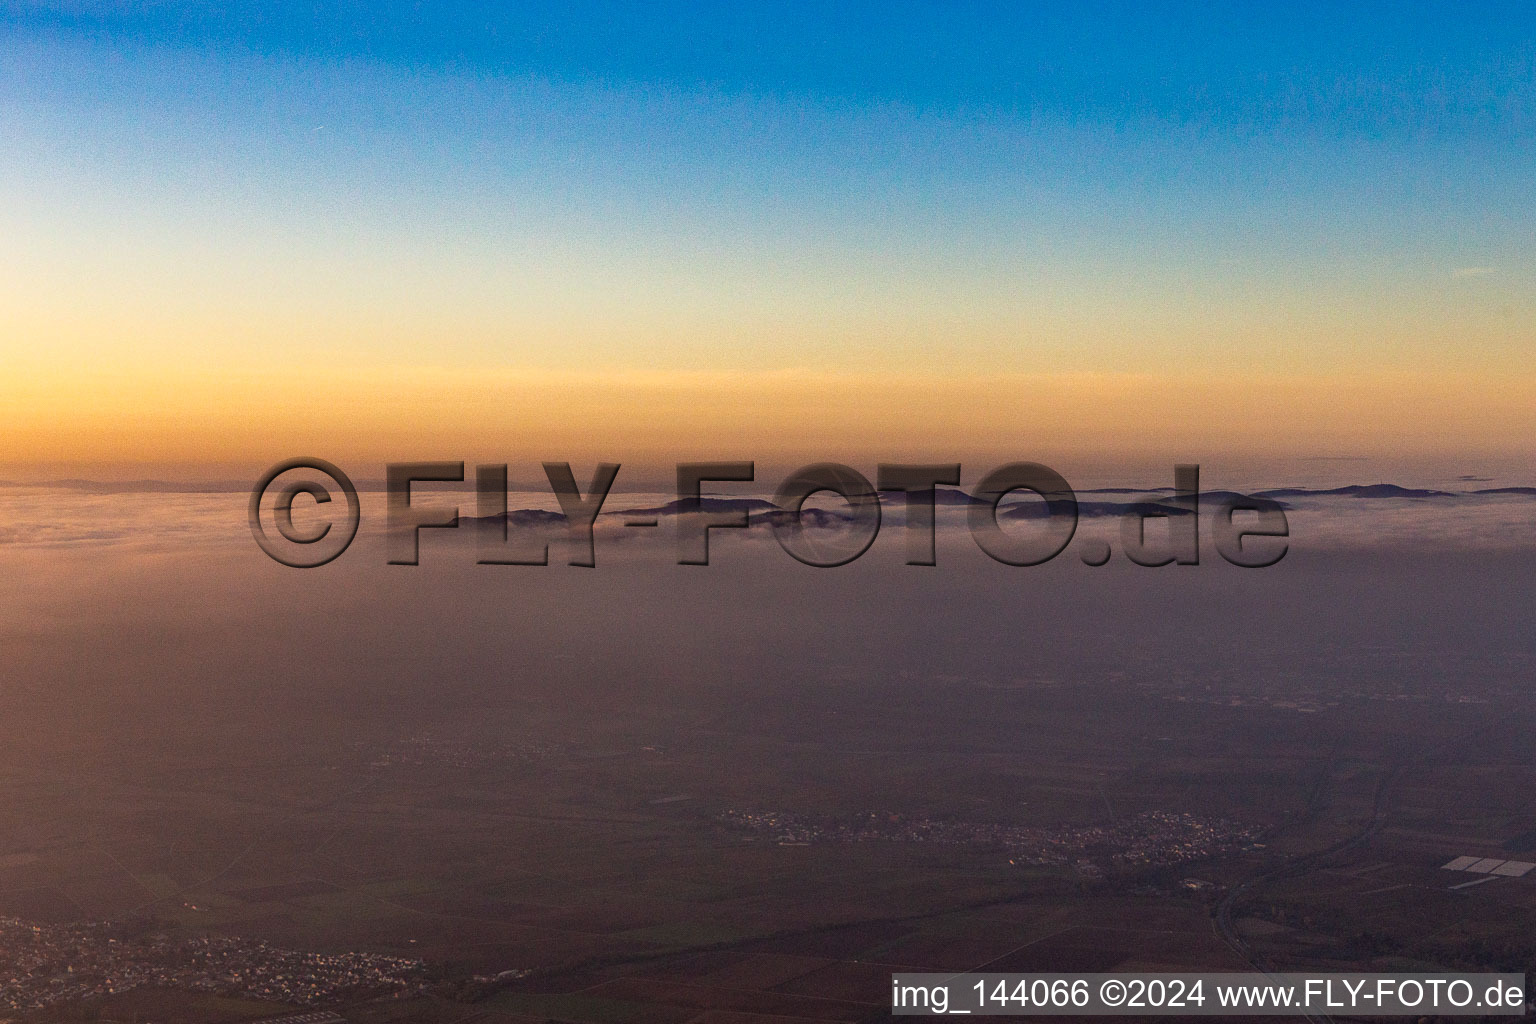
x,y
1369,69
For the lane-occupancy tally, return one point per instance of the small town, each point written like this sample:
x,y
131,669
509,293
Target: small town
x,y
1151,839
53,964
427,751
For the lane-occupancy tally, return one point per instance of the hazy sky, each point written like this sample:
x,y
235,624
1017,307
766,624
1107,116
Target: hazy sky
x,y
232,233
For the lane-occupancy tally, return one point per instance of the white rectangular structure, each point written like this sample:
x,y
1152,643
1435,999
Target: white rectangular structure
x,y
1460,864
1514,868
1486,866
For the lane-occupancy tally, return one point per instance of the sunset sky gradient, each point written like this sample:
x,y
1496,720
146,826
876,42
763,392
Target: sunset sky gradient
x,y
234,233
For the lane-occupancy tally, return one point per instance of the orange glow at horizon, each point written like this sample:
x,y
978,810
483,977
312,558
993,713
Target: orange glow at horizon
x,y
196,417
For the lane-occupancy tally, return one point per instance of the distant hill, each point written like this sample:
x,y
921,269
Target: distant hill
x,y
1097,509
762,512
682,506
758,511
1357,491
951,496
1124,490
816,518
521,517
1088,509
